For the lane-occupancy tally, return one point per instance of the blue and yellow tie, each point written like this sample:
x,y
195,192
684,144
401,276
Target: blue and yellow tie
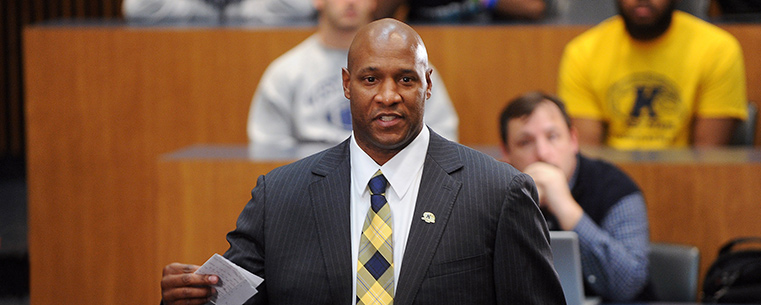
x,y
375,267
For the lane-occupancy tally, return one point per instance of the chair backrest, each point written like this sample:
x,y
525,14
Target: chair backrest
x,y
745,132
698,8
594,11
579,11
674,271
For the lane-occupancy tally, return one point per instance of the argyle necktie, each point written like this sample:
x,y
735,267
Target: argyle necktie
x,y
375,266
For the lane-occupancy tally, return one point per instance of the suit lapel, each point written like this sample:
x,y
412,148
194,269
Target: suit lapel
x,y
331,195
438,192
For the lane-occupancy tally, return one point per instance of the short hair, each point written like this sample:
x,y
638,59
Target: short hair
x,y
525,105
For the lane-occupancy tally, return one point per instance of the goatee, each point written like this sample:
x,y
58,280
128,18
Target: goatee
x,y
646,32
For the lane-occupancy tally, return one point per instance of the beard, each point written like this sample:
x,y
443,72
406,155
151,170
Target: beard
x,y
650,31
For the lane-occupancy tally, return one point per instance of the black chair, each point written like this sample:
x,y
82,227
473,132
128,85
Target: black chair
x,y
674,271
745,132
595,11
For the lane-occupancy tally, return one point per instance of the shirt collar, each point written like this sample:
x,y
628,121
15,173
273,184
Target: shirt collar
x,y
400,170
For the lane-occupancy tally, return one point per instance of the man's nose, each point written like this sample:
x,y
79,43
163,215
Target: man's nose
x,y
389,93
543,150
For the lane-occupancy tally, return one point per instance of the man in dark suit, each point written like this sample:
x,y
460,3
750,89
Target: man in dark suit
x,y
463,228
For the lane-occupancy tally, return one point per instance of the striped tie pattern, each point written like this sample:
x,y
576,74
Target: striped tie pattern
x,y
375,267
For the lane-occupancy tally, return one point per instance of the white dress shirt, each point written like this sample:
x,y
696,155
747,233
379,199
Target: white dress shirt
x,y
403,172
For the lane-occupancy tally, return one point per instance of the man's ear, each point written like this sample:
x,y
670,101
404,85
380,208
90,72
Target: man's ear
x,y
574,134
428,81
346,76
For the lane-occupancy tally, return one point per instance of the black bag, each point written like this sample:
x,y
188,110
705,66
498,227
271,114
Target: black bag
x,y
735,275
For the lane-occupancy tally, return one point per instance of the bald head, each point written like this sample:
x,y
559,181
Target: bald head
x,y
386,33
387,81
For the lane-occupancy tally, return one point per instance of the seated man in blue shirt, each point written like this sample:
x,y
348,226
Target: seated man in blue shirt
x,y
590,197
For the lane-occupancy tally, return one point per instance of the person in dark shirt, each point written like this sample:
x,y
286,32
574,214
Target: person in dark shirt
x,y
590,197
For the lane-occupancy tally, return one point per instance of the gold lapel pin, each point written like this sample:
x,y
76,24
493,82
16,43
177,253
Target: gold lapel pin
x,y
429,217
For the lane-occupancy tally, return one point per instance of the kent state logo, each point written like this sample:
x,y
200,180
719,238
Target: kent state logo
x,y
329,102
648,99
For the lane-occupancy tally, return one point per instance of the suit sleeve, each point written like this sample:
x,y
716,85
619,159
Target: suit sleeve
x,y
523,268
247,240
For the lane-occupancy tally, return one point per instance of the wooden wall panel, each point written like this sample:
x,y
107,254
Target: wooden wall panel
x,y
183,233
102,105
14,15
484,67
750,40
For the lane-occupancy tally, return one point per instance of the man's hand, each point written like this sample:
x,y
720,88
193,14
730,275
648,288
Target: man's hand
x,y
180,285
554,193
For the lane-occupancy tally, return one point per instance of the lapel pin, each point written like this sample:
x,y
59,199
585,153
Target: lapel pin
x,y
429,217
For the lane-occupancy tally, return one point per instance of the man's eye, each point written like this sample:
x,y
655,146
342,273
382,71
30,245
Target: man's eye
x,y
406,79
370,79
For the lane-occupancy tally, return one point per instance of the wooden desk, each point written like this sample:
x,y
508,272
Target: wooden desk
x,y
202,189
695,197
103,102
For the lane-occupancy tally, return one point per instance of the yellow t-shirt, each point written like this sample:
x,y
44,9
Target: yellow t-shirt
x,y
649,92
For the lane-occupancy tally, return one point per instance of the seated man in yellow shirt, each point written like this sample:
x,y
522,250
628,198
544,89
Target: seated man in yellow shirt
x,y
653,78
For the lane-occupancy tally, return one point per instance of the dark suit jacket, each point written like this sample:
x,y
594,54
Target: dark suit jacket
x,y
488,245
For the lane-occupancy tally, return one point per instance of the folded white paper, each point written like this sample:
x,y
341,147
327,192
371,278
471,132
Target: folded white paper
x,y
236,285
